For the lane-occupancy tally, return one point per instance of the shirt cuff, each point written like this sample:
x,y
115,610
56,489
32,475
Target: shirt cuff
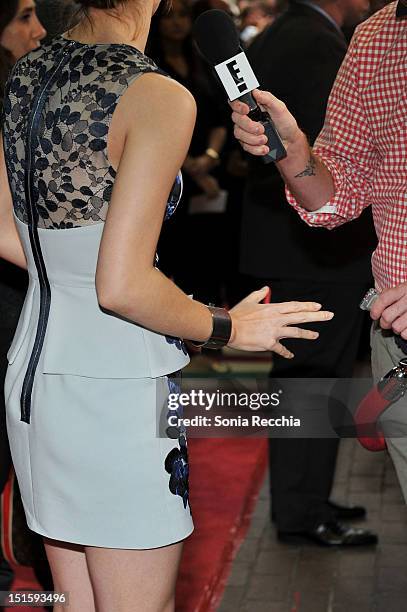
x,y
329,215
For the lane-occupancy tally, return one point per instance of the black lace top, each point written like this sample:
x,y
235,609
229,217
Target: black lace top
x,y
73,177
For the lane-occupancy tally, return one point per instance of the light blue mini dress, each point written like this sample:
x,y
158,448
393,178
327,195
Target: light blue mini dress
x,y
85,389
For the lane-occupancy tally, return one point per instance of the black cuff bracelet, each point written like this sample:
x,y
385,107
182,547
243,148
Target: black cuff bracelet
x,y
221,331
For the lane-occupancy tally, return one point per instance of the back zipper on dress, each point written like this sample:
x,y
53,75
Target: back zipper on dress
x,y
45,289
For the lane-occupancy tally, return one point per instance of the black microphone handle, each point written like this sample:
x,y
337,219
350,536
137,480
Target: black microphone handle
x,y
277,150
248,99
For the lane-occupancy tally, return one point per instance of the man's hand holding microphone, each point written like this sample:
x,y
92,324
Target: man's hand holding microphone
x,y
304,173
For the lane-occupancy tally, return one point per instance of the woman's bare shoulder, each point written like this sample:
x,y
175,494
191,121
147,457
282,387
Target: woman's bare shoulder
x,y
153,107
154,93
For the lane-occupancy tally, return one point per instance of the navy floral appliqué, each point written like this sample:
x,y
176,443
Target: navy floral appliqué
x,y
180,344
175,196
176,462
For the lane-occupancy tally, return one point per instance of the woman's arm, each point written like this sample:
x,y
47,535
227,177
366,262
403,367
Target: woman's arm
x,y
160,116
10,244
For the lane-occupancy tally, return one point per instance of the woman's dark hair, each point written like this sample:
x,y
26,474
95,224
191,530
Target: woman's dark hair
x,y
101,4
85,5
8,11
104,4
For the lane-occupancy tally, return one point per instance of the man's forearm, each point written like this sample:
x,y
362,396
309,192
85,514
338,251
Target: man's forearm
x,y
308,179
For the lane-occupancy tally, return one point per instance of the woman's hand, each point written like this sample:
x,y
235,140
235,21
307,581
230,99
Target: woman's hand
x,y
260,327
250,133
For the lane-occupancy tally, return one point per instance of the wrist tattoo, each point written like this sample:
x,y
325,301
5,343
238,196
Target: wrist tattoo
x,y
309,170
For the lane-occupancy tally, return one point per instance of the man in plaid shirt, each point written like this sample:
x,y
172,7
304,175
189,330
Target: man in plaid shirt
x,y
359,160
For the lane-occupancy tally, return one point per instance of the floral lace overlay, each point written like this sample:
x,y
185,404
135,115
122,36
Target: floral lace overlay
x,y
72,175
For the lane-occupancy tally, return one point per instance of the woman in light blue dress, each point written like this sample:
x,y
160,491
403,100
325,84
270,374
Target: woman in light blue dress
x,y
93,135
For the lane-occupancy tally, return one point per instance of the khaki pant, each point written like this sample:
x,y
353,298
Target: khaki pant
x,y
386,355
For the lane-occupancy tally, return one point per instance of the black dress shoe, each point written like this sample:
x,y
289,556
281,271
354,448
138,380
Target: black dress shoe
x,y
330,534
344,513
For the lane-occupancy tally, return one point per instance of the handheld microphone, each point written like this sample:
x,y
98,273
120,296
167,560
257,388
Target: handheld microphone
x,y
217,39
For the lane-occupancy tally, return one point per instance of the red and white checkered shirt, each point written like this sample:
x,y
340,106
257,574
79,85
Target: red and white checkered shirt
x,y
364,142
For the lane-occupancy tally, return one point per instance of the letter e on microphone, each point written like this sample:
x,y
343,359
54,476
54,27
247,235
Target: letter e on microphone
x,y
237,76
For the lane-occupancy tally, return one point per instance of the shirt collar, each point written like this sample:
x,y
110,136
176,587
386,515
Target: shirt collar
x,y
320,10
401,8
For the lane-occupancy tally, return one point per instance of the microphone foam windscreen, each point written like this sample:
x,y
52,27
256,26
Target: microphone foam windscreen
x,y
216,36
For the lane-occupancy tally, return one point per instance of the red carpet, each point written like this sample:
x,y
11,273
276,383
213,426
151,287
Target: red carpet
x,y
225,481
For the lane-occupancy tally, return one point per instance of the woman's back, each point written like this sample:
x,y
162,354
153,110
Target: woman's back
x,y
73,176
58,107
82,381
